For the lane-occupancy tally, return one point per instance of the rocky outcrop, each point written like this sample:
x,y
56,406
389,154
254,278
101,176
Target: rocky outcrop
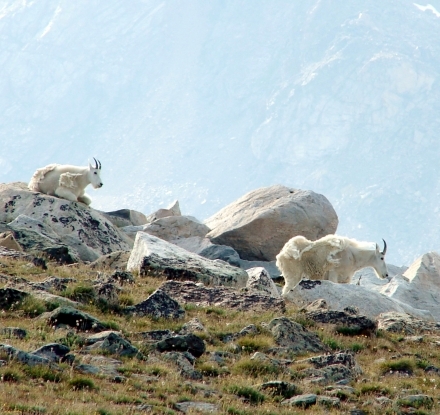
x,y
125,217
259,224
111,342
419,286
404,323
339,296
152,255
348,318
205,248
39,222
190,293
158,305
259,280
71,317
176,227
294,336
172,210
182,343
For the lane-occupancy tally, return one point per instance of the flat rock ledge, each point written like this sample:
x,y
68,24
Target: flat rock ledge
x,y
188,292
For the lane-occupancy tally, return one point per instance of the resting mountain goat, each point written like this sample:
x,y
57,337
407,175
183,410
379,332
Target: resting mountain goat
x,y
333,258
67,182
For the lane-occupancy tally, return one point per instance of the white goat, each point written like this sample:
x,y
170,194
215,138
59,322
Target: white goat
x,y
333,258
67,182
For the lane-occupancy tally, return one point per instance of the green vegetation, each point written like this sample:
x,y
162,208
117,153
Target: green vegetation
x,y
231,376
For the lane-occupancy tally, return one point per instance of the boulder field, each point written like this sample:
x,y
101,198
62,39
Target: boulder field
x,y
234,248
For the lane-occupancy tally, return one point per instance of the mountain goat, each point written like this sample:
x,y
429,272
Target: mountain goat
x,y
333,258
67,182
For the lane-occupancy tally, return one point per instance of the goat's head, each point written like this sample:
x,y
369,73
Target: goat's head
x,y
379,261
94,174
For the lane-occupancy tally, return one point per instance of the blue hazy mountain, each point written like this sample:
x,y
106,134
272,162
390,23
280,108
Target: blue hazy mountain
x,y
203,101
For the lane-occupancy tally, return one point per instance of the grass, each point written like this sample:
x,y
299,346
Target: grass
x,y
390,364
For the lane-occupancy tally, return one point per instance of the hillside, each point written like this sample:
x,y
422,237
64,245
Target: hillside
x,y
202,102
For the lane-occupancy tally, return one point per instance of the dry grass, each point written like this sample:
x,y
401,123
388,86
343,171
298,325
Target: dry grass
x,y
391,366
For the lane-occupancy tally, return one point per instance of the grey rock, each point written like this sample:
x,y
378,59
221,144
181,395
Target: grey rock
x,y
260,280
172,210
183,362
54,352
395,322
16,332
328,374
39,289
419,285
259,224
7,240
158,305
220,357
125,217
176,227
154,335
383,401
122,277
52,283
339,296
303,401
192,326
10,297
182,343
152,255
190,293
107,292
294,336
25,357
269,266
58,223
202,407
71,317
116,260
360,324
328,401
113,343
99,365
344,358
223,252
280,388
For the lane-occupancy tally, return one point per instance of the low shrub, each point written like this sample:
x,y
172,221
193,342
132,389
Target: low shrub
x,y
250,394
80,383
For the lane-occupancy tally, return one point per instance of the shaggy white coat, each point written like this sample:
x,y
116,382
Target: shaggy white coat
x,y
333,258
65,181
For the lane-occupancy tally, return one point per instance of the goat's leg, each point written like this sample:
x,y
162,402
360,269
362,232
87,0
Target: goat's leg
x,y
65,193
84,198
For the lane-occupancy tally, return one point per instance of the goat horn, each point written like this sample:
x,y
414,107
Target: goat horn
x,y
99,165
384,247
96,164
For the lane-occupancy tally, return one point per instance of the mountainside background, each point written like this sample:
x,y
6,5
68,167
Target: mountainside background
x,y
204,101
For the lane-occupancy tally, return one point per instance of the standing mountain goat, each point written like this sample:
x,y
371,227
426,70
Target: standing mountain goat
x,y
67,182
333,258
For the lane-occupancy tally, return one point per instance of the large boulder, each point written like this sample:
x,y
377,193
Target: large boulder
x,y
176,227
56,226
340,296
419,286
259,224
125,217
151,255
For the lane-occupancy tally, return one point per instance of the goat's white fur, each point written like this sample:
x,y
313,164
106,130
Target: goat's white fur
x,y
333,258
67,182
